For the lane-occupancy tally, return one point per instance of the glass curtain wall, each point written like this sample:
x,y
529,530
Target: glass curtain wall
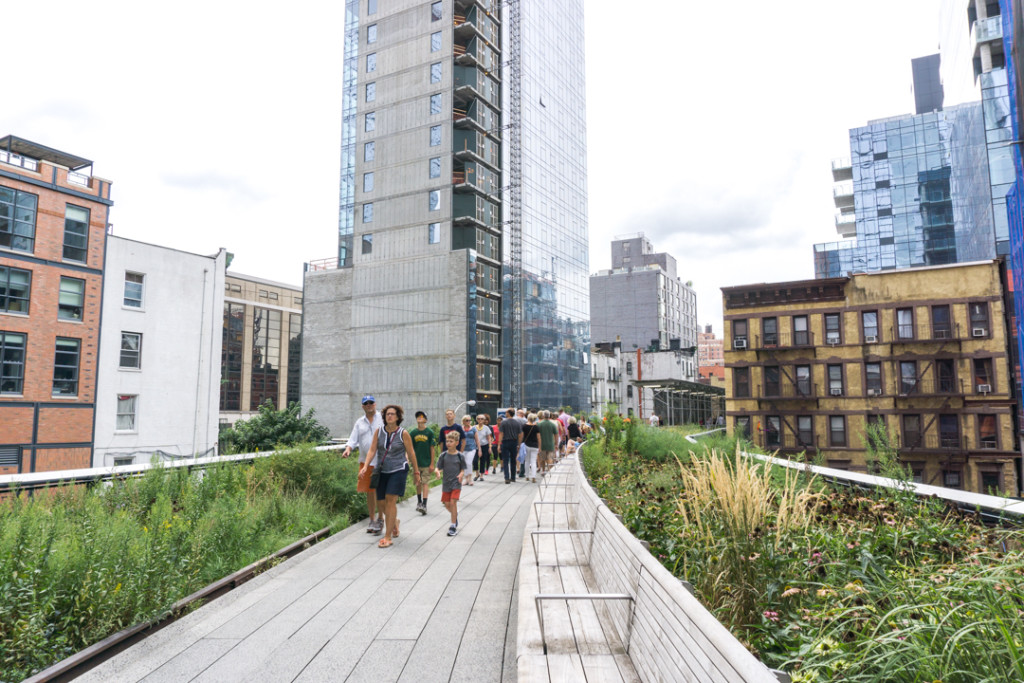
x,y
349,99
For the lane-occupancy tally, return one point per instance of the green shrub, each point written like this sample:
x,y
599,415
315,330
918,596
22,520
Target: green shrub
x,y
272,429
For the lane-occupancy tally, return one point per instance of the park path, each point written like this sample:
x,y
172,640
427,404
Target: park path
x,y
430,608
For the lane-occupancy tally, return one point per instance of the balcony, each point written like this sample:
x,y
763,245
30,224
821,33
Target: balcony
x,y
477,116
477,24
986,31
476,177
800,390
843,195
846,224
924,333
952,442
18,160
842,170
929,387
783,341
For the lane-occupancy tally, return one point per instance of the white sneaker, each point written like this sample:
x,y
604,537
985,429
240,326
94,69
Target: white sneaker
x,y
452,530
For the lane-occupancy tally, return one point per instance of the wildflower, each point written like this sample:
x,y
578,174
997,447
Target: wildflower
x,y
117,587
825,592
791,591
937,578
853,545
771,616
855,588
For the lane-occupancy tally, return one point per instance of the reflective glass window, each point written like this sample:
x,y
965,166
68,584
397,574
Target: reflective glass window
x,y
134,287
371,33
435,104
435,42
17,219
370,122
368,243
371,6
369,151
12,362
435,73
368,182
434,200
368,212
436,11
71,299
15,286
435,167
371,62
435,136
65,367
434,233
131,350
76,233
371,91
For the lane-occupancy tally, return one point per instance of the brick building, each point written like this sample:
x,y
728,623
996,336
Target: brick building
x,y
921,352
53,226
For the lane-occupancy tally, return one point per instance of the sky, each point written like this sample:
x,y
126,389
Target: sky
x,y
711,127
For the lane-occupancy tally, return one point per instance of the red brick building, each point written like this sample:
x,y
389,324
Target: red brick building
x,y
53,227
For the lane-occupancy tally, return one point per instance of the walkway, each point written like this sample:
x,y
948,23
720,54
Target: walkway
x,y
430,608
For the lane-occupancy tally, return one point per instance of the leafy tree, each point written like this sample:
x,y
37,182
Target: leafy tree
x,y
273,428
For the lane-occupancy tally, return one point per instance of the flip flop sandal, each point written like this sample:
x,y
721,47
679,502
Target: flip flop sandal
x,y
384,543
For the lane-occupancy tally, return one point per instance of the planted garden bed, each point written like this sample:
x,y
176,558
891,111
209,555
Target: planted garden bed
x,y
824,583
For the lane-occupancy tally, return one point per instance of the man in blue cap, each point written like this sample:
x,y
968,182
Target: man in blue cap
x,y
362,438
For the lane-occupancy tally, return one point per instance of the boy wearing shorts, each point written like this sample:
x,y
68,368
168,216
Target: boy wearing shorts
x,y
450,466
423,443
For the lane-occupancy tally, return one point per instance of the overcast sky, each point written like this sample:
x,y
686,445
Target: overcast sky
x,y
711,127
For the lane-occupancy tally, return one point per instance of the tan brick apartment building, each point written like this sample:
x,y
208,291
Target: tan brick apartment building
x,y
53,220
921,351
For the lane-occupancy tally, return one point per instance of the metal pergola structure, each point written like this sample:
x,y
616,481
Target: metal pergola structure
x,y
679,401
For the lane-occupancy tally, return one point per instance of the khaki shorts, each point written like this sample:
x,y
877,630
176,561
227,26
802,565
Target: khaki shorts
x,y
363,483
544,457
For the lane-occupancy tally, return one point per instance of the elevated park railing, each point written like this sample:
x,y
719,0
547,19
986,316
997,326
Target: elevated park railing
x,y
992,509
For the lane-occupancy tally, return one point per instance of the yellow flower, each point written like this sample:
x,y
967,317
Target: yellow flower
x,y
117,587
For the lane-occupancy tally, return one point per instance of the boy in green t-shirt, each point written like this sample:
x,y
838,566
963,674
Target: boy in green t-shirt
x,y
423,442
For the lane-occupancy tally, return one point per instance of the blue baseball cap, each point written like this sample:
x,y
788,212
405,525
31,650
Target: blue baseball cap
x,y
368,399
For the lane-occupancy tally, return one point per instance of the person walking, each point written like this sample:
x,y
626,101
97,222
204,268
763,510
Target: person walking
x,y
362,437
450,425
510,435
484,437
423,442
450,466
548,429
395,456
470,449
531,439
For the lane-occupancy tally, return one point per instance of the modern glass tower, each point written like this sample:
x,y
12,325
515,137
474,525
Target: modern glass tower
x,y
413,310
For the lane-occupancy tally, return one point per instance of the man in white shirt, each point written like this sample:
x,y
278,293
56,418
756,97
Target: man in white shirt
x,y
362,438
654,420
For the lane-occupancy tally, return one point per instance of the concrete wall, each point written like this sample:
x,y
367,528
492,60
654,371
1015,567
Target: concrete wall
x,y
395,329
178,381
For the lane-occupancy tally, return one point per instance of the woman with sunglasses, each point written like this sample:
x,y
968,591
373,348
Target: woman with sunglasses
x,y
394,456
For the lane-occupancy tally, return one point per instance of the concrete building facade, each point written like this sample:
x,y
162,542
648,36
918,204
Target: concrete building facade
x,y
261,346
920,352
53,229
160,350
641,300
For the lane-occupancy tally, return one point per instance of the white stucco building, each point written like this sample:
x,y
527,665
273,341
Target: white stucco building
x,y
158,383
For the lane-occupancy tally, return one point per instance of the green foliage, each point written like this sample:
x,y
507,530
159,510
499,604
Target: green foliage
x,y
272,429
80,564
877,586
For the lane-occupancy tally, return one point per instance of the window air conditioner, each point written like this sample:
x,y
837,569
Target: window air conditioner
x,y
874,392
984,388
871,339
832,338
835,391
740,343
978,332
942,334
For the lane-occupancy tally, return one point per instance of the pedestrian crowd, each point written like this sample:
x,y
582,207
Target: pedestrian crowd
x,y
521,445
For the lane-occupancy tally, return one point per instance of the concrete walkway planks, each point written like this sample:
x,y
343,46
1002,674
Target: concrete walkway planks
x,y
430,608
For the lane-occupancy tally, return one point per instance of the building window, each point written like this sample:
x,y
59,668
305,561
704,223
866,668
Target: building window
x,y
434,200
801,335
803,380
265,382
905,323
837,430
991,482
368,243
835,379
805,431
368,212
371,6
371,33
12,362
772,431
371,91
435,104
742,428
15,289
371,62
436,11
983,379
76,233
951,479
988,432
369,151
949,431
368,182
908,377
979,319
629,391
771,380
434,233
126,408
436,70
873,378
869,322
17,219
942,326
741,382
629,368
435,136
739,334
945,376
911,431
435,167
65,367
231,356
134,286
435,41
131,350
833,333
370,122
770,331
71,299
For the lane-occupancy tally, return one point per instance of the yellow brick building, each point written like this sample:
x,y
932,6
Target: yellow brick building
x,y
920,351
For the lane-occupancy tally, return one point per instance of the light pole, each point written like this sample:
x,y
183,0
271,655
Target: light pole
x,y
469,403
